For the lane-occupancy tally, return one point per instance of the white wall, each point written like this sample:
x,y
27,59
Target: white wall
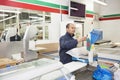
x,y
54,27
111,28
113,7
88,26
96,15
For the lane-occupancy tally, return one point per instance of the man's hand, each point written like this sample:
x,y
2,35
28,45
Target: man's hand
x,y
82,39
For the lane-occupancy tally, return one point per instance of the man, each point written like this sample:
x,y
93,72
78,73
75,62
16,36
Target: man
x,y
67,42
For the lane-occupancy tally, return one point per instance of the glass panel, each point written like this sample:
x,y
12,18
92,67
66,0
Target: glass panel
x,y
34,66
20,19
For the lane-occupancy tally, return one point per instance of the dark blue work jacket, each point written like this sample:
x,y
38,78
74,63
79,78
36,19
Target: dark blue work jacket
x,y
67,42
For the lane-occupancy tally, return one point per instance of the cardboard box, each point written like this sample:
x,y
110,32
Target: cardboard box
x,y
49,47
6,62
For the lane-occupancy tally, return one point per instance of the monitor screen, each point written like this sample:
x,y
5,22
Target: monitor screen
x,y
77,9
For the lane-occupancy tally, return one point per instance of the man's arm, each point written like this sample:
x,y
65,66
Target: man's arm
x,y
68,44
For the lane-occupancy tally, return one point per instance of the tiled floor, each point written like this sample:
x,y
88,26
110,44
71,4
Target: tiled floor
x,y
84,75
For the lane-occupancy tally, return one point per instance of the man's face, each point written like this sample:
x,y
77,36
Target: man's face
x,y
71,29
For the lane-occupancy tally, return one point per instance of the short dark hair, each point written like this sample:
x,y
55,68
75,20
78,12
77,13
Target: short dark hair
x,y
67,26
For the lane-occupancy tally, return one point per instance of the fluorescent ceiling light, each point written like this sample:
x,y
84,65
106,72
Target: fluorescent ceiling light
x,y
35,17
3,15
73,8
100,2
9,11
7,18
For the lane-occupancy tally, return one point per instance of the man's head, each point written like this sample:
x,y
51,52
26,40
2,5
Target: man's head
x,y
70,28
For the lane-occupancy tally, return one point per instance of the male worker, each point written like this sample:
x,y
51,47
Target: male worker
x,y
67,42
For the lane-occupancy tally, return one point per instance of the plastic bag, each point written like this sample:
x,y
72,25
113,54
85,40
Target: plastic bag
x,y
95,35
102,74
78,52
